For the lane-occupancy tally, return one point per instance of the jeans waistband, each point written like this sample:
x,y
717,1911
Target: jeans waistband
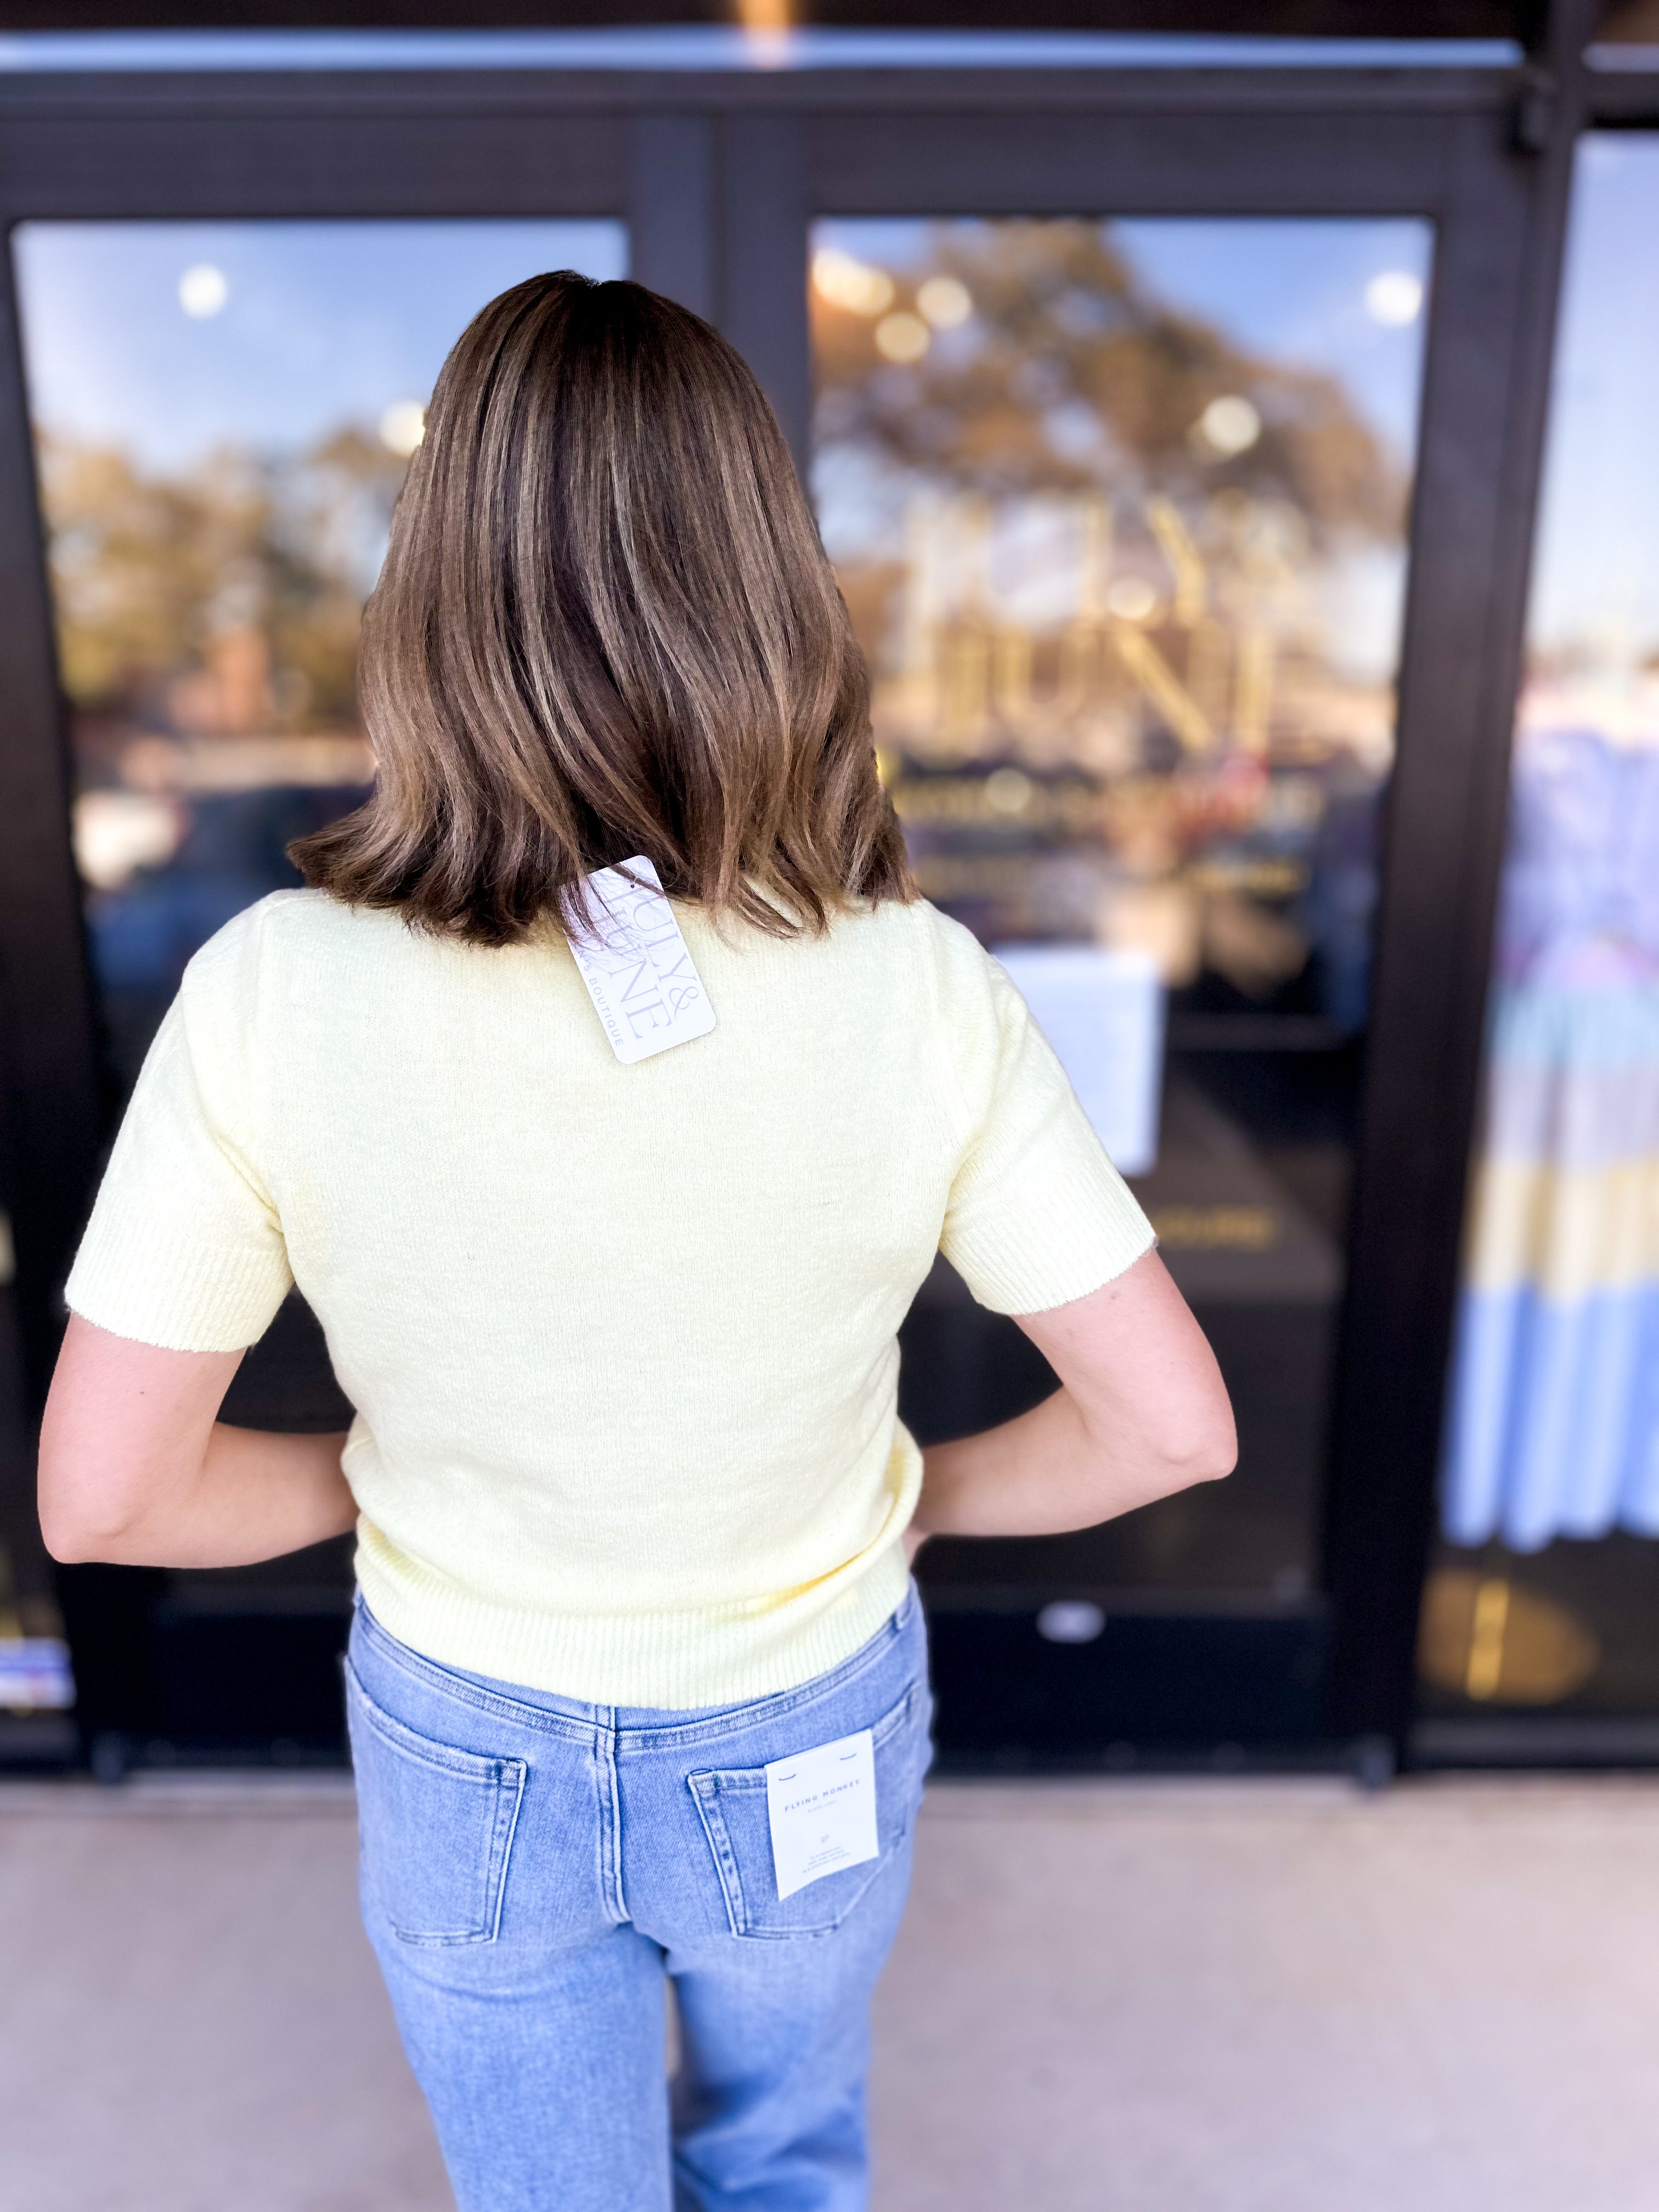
x,y
659,1722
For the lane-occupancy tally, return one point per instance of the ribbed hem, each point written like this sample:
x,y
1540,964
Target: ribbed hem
x,y
1073,1231
182,1294
680,1662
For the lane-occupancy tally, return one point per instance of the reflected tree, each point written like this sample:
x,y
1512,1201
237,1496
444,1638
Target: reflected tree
x,y
224,599
1069,373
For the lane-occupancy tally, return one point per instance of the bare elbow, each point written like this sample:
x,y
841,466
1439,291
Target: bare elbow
x,y
70,1552
76,1538
80,1525
1215,1452
1202,1450
1220,1457
64,1542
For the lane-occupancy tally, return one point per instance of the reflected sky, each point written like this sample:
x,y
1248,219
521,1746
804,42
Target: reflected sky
x,y
130,342
1318,311
1342,299
325,322
1597,579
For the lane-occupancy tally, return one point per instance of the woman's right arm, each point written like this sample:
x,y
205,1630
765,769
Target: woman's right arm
x,y
1142,1411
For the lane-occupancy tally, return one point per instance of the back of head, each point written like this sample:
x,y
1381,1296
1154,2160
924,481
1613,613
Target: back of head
x,y
606,626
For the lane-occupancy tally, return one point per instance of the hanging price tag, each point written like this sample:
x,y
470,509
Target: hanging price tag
x,y
822,1808
637,967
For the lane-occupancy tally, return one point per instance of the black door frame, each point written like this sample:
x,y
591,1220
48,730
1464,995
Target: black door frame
x,y
718,176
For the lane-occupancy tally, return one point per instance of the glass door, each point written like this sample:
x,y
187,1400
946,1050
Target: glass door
x,y
223,414
1120,508
1119,488
1540,1626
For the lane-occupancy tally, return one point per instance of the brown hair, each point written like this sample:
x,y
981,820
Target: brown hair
x,y
606,626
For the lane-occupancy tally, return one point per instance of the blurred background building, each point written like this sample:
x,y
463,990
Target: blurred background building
x,y
1234,430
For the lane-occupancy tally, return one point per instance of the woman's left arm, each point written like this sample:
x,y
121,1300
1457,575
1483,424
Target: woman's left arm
x,y
136,1469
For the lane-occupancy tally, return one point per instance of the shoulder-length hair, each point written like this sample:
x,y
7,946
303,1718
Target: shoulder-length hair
x,y
606,626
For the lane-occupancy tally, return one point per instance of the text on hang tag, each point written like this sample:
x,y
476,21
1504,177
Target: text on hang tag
x,y
636,965
822,1809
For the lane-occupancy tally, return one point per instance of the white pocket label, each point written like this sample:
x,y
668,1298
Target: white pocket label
x,y
822,1806
636,967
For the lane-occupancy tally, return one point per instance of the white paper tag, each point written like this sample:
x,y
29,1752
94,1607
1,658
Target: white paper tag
x,y
636,967
1103,1011
822,1806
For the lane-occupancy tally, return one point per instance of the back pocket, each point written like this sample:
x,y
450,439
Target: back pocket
x,y
731,1802
436,1826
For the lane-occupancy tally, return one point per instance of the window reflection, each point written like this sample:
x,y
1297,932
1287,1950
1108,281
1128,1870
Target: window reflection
x,y
1119,509
224,413
1546,1593
1127,565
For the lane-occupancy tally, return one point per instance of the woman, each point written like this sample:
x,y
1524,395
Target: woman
x,y
611,1207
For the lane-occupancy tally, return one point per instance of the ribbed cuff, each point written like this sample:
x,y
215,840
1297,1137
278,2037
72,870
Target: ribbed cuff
x,y
1071,1234
158,1288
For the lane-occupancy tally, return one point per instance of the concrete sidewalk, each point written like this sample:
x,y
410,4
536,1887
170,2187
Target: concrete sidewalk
x,y
1215,1997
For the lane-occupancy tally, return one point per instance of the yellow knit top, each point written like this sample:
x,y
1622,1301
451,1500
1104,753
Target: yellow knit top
x,y
621,1338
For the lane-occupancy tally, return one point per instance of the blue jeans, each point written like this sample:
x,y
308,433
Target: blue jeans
x,y
533,1866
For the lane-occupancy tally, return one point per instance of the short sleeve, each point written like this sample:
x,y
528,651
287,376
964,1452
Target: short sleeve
x,y
1037,1214
185,1249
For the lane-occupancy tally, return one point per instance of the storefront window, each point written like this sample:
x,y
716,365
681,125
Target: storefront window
x,y
1547,1590
223,415
224,412
1120,510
